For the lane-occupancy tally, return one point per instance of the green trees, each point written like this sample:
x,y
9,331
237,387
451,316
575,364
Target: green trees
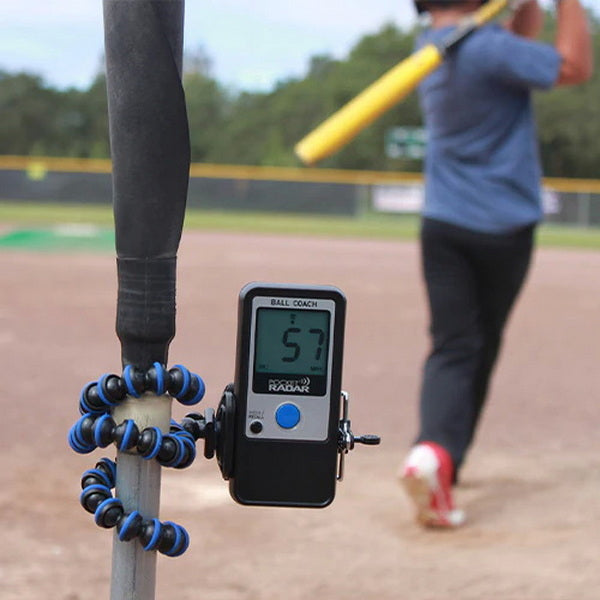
x,y
569,121
37,119
262,128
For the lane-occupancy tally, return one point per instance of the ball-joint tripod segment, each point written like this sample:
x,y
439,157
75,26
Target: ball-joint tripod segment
x,y
98,429
217,430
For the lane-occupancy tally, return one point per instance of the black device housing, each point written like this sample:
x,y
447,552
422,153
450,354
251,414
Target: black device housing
x,y
278,472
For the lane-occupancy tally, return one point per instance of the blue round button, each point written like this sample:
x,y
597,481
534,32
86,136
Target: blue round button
x,y
287,415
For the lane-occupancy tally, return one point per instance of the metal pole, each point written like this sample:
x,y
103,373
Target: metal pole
x,y
138,487
151,156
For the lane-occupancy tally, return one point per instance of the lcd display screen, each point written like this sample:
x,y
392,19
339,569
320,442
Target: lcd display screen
x,y
291,351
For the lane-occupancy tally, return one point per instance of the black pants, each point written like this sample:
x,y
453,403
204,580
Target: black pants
x,y
472,282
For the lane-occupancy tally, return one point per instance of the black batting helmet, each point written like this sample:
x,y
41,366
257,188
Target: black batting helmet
x,y
423,5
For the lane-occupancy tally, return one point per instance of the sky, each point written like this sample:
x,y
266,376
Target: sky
x,y
252,43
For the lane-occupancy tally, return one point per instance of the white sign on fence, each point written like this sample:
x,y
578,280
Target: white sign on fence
x,y
401,198
408,198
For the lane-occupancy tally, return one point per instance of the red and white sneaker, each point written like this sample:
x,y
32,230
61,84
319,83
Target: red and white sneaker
x,y
427,479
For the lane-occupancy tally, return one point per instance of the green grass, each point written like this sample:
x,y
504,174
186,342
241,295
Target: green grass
x,y
34,214
562,236
19,215
375,226
60,238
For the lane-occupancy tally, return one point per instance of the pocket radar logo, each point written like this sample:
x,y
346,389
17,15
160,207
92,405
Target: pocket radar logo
x,y
290,386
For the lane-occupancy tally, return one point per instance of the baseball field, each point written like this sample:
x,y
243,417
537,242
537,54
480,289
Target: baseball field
x,y
531,485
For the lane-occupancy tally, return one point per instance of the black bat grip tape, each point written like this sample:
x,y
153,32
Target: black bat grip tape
x,y
146,309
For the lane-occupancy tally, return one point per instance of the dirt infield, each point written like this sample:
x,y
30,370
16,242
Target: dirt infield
x,y
531,485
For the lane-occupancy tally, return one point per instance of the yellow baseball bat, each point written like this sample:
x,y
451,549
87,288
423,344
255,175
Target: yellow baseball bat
x,y
388,90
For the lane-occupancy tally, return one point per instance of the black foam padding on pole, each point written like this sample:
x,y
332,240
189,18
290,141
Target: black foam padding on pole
x,y
146,309
151,156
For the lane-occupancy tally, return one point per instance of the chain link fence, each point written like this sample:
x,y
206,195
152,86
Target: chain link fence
x,y
272,189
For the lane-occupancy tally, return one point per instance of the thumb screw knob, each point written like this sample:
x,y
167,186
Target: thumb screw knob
x,y
368,440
